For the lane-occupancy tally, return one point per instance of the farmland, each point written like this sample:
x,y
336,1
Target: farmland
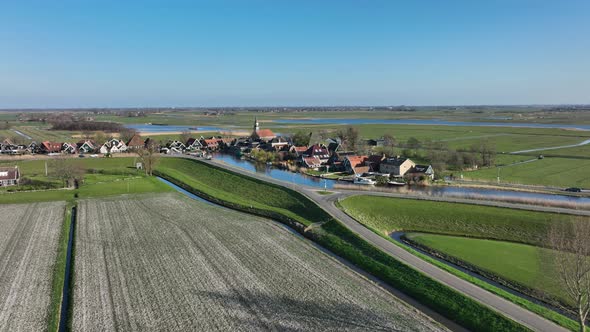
x,y
235,272
518,264
386,215
28,252
220,185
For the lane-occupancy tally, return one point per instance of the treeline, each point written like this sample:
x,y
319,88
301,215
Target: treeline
x,y
81,125
440,155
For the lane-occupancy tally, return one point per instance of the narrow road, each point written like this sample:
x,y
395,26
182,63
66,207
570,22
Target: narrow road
x,y
553,148
497,303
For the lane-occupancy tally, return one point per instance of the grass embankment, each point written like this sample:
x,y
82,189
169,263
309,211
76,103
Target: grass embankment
x,y
385,215
247,194
518,264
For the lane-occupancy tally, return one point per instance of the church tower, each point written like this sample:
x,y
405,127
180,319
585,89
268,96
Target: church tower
x,y
256,125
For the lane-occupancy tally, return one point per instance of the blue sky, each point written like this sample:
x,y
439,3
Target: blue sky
x,y
257,53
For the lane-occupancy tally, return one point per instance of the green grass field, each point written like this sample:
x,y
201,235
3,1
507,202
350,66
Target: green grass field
x,y
519,264
104,177
386,215
558,172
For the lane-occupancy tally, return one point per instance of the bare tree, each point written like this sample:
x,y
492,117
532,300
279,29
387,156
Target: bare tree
x,y
185,136
66,170
149,156
125,134
572,264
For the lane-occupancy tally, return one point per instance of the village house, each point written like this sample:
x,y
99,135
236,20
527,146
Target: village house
x,y
356,165
421,170
210,144
319,151
396,166
135,143
374,162
113,146
86,146
311,162
51,147
68,148
9,176
298,150
193,144
175,146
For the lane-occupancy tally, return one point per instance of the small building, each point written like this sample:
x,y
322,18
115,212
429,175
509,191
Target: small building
x,y
68,148
9,176
135,143
298,150
193,144
319,151
113,146
312,162
51,147
396,166
421,170
210,144
356,164
86,146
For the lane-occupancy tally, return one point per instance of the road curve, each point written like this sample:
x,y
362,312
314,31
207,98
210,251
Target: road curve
x,y
495,302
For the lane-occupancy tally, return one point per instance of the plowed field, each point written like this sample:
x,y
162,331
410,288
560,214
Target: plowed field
x,y
166,262
29,236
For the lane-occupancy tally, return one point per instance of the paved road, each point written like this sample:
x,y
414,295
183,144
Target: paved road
x,y
507,308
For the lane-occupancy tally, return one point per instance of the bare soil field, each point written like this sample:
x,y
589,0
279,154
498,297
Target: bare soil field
x,y
29,236
166,262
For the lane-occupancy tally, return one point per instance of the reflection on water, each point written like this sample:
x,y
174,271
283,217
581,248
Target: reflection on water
x,y
279,174
448,191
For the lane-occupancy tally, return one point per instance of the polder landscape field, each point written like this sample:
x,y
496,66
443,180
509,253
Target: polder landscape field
x,y
505,245
167,262
29,246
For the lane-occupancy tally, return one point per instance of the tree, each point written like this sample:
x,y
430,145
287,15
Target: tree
x,y
126,134
389,140
185,136
66,170
572,264
413,143
149,157
350,139
301,138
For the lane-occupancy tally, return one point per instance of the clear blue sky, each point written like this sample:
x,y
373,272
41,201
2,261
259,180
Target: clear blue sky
x,y
279,52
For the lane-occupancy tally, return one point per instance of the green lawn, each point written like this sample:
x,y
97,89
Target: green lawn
x,y
386,215
240,190
519,264
559,172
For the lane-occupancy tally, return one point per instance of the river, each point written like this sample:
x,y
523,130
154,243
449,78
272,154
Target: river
x,y
434,191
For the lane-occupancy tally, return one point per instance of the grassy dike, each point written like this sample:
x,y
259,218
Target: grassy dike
x,y
285,205
458,219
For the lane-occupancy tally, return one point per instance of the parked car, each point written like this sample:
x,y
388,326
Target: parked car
x,y
81,156
574,190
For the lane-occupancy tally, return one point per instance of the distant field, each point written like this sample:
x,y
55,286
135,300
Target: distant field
x,y
29,239
386,215
235,272
516,263
559,172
